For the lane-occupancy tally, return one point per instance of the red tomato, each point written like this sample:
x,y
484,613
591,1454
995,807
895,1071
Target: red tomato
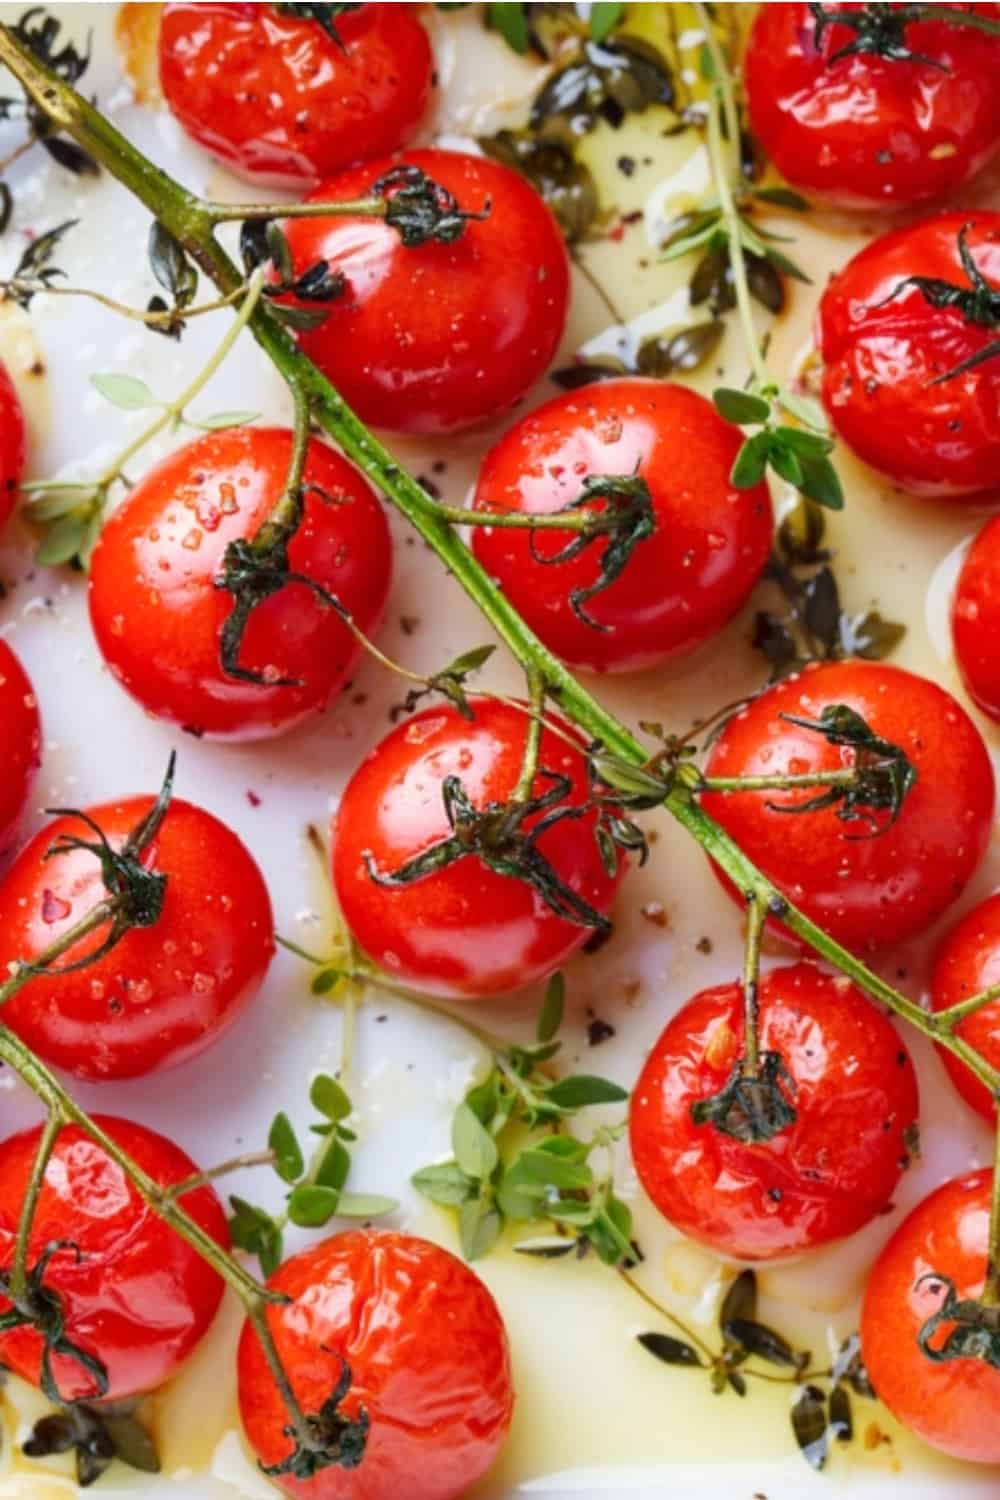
x,y
881,359
20,743
427,1351
138,1298
158,615
11,445
866,892
955,1405
968,961
463,930
279,100
866,130
975,619
437,337
681,584
163,993
822,1178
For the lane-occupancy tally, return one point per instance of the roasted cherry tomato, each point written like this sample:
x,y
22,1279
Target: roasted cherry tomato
x,y
889,354
975,620
286,100
157,611
968,961
11,444
866,891
164,992
135,1296
20,743
854,1091
427,1354
954,1405
866,130
431,338
463,930
682,583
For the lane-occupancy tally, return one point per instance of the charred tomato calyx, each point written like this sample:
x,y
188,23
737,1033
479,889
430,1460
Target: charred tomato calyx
x,y
883,778
325,1439
973,1326
751,1108
39,1307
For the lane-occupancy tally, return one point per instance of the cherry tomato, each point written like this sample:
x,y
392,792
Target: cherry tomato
x,y
163,993
680,585
867,892
137,1297
20,743
11,444
975,619
158,614
280,100
968,961
432,338
427,1352
854,1091
868,130
954,1405
884,346
463,930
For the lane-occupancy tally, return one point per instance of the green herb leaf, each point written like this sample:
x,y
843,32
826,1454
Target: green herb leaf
x,y
446,1184
554,1171
804,408
512,24
603,20
63,540
475,1149
479,1228
253,1230
365,1205
325,981
125,391
741,407
310,1206
751,461
326,1095
332,1170
821,482
222,419
672,1351
551,1014
289,1163
582,1089
782,197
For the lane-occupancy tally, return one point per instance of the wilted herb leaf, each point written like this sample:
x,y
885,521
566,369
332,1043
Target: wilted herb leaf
x,y
668,1349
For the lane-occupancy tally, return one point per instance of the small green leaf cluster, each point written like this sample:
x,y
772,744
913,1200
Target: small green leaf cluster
x,y
316,1192
799,455
452,683
515,1159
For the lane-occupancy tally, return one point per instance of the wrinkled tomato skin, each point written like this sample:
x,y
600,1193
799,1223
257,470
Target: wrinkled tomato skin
x,y
975,620
880,362
954,1405
464,930
158,615
679,586
20,744
139,1298
164,993
12,443
278,101
825,1176
428,1356
866,131
866,892
434,338
968,961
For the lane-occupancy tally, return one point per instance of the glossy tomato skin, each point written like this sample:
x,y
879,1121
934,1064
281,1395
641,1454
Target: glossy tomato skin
x,y
139,1298
20,743
955,1405
866,131
680,585
463,931
164,993
428,1357
11,445
158,615
434,338
880,361
866,892
968,961
975,620
274,96
824,1177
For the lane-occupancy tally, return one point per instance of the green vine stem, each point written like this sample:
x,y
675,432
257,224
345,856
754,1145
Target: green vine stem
x,y
19,1270
756,917
27,286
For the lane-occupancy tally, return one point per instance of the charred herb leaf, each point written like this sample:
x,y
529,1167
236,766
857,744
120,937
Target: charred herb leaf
x,y
549,164
97,1435
175,273
420,209
39,32
34,271
607,81
332,1440
809,1424
885,776
671,1351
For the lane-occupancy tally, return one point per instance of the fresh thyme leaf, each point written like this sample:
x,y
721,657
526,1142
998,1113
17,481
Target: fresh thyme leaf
x,y
223,419
127,392
288,1160
511,22
581,1090
325,981
479,1228
334,1166
365,1205
551,1014
782,197
326,1095
254,1230
603,20
475,1149
62,541
445,1184
71,156
740,407
311,1205
751,461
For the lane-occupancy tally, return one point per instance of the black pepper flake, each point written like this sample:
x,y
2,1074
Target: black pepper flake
x,y
704,945
599,1031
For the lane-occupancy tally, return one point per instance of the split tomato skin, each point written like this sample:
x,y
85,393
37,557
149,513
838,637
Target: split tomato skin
x,y
968,961
164,993
20,744
463,931
867,892
427,1351
277,99
828,1174
139,1298
975,620
158,615
881,358
12,445
434,338
954,1405
866,131
680,585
